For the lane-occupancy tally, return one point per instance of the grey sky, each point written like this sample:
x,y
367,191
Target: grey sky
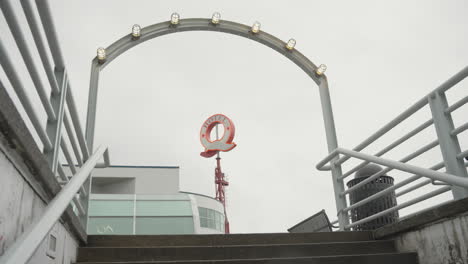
x,y
382,56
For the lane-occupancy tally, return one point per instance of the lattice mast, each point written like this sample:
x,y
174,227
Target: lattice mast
x,y
220,183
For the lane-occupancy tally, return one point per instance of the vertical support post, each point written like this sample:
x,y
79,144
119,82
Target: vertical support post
x,y
92,104
449,144
54,127
332,142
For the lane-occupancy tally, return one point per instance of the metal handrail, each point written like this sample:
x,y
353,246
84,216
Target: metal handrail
x,y
400,206
25,246
392,146
383,171
431,174
455,79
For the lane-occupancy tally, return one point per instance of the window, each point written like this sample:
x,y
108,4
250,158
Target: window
x,y
211,219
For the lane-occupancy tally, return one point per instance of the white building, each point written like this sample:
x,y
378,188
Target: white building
x,y
146,200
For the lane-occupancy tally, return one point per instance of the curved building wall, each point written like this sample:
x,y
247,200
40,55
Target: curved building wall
x,y
169,214
208,214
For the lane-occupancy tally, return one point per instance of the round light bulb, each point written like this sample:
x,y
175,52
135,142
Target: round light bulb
x,y
291,44
175,17
216,18
321,69
101,54
256,27
136,31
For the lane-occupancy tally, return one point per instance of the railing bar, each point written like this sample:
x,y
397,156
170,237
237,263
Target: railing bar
x,y
17,85
72,139
412,188
463,154
76,124
66,179
18,35
401,206
438,166
41,47
382,172
25,246
431,174
457,105
458,77
51,34
392,146
79,206
67,155
459,129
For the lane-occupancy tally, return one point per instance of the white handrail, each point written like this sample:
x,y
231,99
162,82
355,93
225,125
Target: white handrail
x,y
25,246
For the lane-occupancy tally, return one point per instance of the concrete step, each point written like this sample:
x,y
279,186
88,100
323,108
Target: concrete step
x,y
225,252
232,239
389,258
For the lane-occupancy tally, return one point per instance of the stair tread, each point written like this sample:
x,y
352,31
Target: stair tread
x,y
212,239
232,251
383,258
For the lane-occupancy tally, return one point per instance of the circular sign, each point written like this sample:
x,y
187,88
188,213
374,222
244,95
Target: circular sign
x,y
224,143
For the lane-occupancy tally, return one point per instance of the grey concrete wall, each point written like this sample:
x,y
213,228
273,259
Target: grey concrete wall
x,y
19,207
444,242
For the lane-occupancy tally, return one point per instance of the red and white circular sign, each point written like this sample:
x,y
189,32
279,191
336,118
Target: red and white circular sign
x,y
224,143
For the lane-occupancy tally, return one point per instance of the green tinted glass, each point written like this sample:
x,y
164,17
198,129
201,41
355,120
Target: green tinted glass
x,y
164,225
110,226
163,208
110,208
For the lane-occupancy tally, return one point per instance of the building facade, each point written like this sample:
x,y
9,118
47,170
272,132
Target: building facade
x,y
146,200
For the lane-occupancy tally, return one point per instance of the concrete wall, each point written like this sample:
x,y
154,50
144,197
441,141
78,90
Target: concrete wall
x,y
445,242
439,235
19,207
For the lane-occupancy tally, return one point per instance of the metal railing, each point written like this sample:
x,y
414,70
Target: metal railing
x,y
60,111
455,179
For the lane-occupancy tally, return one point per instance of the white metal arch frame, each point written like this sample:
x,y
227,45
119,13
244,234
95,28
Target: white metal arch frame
x,y
203,24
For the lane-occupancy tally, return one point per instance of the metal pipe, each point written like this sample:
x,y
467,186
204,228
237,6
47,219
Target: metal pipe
x,y
434,175
414,187
456,105
332,143
382,172
41,46
64,177
18,86
76,123
18,35
25,246
67,155
50,32
401,206
392,146
459,129
458,77
72,139
463,154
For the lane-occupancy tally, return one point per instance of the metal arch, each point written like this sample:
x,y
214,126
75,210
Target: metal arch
x,y
191,24
203,24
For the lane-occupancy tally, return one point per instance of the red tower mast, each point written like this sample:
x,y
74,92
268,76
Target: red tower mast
x,y
220,183
213,147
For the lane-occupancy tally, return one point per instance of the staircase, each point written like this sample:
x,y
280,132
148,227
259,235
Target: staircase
x,y
311,248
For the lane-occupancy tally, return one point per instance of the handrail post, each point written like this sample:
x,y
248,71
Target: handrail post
x,y
332,142
449,145
54,127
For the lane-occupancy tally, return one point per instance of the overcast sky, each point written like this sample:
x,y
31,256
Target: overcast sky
x,y
382,56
